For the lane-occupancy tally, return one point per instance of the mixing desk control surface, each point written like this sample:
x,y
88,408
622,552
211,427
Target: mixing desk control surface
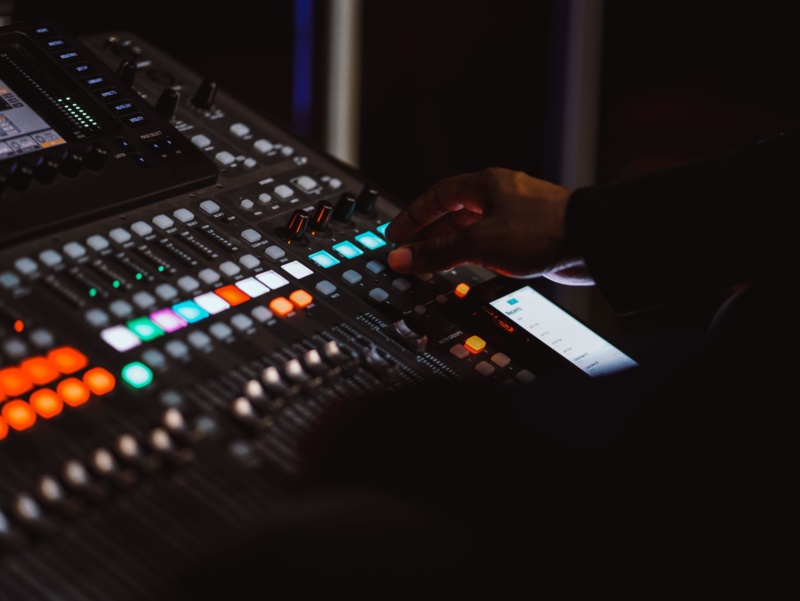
x,y
185,288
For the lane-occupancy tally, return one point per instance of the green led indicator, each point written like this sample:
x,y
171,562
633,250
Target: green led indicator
x,y
92,292
160,268
115,283
137,374
139,276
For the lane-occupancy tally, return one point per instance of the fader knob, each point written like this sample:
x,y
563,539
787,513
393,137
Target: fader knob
x,y
345,207
297,225
127,71
167,104
321,216
205,95
365,202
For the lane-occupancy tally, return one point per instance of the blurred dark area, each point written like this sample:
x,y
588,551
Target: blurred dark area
x,y
457,85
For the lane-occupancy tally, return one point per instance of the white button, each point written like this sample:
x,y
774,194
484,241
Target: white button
x,y
188,283
50,257
240,130
201,141
225,157
96,241
163,222
119,235
263,146
284,191
210,207
183,215
142,228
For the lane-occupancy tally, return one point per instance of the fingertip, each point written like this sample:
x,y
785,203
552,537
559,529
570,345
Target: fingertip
x,y
400,259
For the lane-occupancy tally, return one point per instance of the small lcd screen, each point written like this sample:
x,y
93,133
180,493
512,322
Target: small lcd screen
x,y
22,130
563,333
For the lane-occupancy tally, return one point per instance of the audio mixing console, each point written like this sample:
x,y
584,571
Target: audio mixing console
x,y
185,288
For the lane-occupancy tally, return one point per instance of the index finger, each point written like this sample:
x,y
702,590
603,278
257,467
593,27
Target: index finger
x,y
449,195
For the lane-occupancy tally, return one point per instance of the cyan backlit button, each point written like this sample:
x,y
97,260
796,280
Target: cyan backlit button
x,y
348,250
370,240
324,259
190,311
382,228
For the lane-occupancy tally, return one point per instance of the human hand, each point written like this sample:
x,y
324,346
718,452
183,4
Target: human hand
x,y
501,219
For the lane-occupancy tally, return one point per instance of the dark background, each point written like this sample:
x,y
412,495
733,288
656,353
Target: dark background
x,y
456,85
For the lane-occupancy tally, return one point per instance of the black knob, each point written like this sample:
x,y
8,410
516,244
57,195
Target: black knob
x,y
45,167
345,207
96,157
321,216
72,162
167,104
297,225
365,202
204,97
19,176
127,71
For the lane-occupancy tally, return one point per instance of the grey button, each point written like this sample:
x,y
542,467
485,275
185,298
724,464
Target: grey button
x,y
210,207
220,331
50,257
177,349
209,276
225,157
9,280
378,294
251,235
144,300
484,368
264,198
376,266
284,191
163,221
155,359
287,151
459,350
96,241
401,284
166,292
263,146
15,348
119,235
41,338
201,141
249,261
306,183
325,287
500,359
261,314
142,228
183,215
352,277
230,268
246,204
525,376
199,340
97,318
241,322
274,252
188,284
239,130
121,308
26,265
75,250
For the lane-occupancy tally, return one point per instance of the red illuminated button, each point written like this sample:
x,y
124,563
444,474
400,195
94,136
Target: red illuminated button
x,y
300,298
46,402
100,381
232,294
73,392
475,344
281,306
14,381
461,290
68,359
19,415
40,370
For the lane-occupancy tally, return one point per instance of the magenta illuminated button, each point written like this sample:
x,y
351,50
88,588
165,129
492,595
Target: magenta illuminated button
x,y
168,320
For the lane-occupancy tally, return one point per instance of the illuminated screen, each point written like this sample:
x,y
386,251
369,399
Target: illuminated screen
x,y
22,130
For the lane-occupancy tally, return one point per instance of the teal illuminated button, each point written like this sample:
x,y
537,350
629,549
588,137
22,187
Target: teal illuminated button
x,y
370,240
137,374
190,311
144,328
347,249
324,259
382,228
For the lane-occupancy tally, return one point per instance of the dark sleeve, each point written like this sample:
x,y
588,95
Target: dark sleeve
x,y
723,221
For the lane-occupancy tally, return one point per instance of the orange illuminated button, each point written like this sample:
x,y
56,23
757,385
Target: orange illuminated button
x,y
300,298
73,392
100,381
232,294
461,290
68,359
3,428
475,344
14,381
46,402
281,306
18,414
40,370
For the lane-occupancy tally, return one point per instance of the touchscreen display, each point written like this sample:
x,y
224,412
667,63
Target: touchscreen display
x,y
566,335
22,130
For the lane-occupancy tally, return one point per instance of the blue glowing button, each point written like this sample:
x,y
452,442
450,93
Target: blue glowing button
x,y
382,228
348,250
324,259
370,240
137,374
144,328
190,311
